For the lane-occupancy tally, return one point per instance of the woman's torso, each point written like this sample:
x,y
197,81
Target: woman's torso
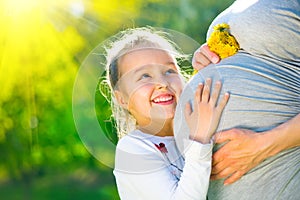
x,y
264,82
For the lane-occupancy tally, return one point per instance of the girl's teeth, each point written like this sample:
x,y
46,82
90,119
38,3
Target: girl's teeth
x,y
162,99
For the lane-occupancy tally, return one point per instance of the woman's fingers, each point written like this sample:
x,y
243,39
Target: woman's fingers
x,y
234,177
200,60
203,57
222,174
211,56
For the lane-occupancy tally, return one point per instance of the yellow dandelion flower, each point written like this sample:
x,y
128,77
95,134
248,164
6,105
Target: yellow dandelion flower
x,y
221,26
222,42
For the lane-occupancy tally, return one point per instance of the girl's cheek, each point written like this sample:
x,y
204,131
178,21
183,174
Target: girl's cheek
x,y
143,89
178,82
147,86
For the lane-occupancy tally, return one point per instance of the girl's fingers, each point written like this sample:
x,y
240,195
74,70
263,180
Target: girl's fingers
x,y
197,100
187,110
223,101
206,91
215,94
198,94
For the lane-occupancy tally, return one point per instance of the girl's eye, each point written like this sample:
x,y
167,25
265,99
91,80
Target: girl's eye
x,y
171,71
145,76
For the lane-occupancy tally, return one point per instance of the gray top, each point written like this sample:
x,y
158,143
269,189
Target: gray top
x,y
264,82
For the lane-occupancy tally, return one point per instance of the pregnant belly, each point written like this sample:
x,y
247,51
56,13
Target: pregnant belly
x,y
264,93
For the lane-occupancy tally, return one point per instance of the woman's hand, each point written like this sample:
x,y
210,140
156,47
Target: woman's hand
x,y
203,57
246,149
243,151
203,120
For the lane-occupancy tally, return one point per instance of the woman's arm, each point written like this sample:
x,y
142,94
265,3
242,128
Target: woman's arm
x,y
246,149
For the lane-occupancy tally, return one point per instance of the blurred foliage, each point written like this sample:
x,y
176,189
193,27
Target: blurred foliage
x,y
42,45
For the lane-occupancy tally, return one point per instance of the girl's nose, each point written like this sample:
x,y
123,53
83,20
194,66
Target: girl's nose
x,y
161,83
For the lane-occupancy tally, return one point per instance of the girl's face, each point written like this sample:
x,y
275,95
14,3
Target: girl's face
x,y
149,86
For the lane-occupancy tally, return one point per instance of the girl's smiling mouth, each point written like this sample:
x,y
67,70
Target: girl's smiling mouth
x,y
164,99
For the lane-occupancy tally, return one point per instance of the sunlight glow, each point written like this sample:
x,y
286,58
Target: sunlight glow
x,y
30,43
77,9
19,7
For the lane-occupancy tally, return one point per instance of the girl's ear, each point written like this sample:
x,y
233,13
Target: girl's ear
x,y
121,99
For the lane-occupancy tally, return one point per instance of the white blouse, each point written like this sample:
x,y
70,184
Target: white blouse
x,y
151,167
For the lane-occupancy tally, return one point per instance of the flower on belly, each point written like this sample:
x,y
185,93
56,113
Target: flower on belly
x,y
222,42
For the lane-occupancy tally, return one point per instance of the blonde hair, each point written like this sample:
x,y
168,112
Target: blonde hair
x,y
129,40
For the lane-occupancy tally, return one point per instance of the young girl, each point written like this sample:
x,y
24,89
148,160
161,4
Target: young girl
x,y
146,84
